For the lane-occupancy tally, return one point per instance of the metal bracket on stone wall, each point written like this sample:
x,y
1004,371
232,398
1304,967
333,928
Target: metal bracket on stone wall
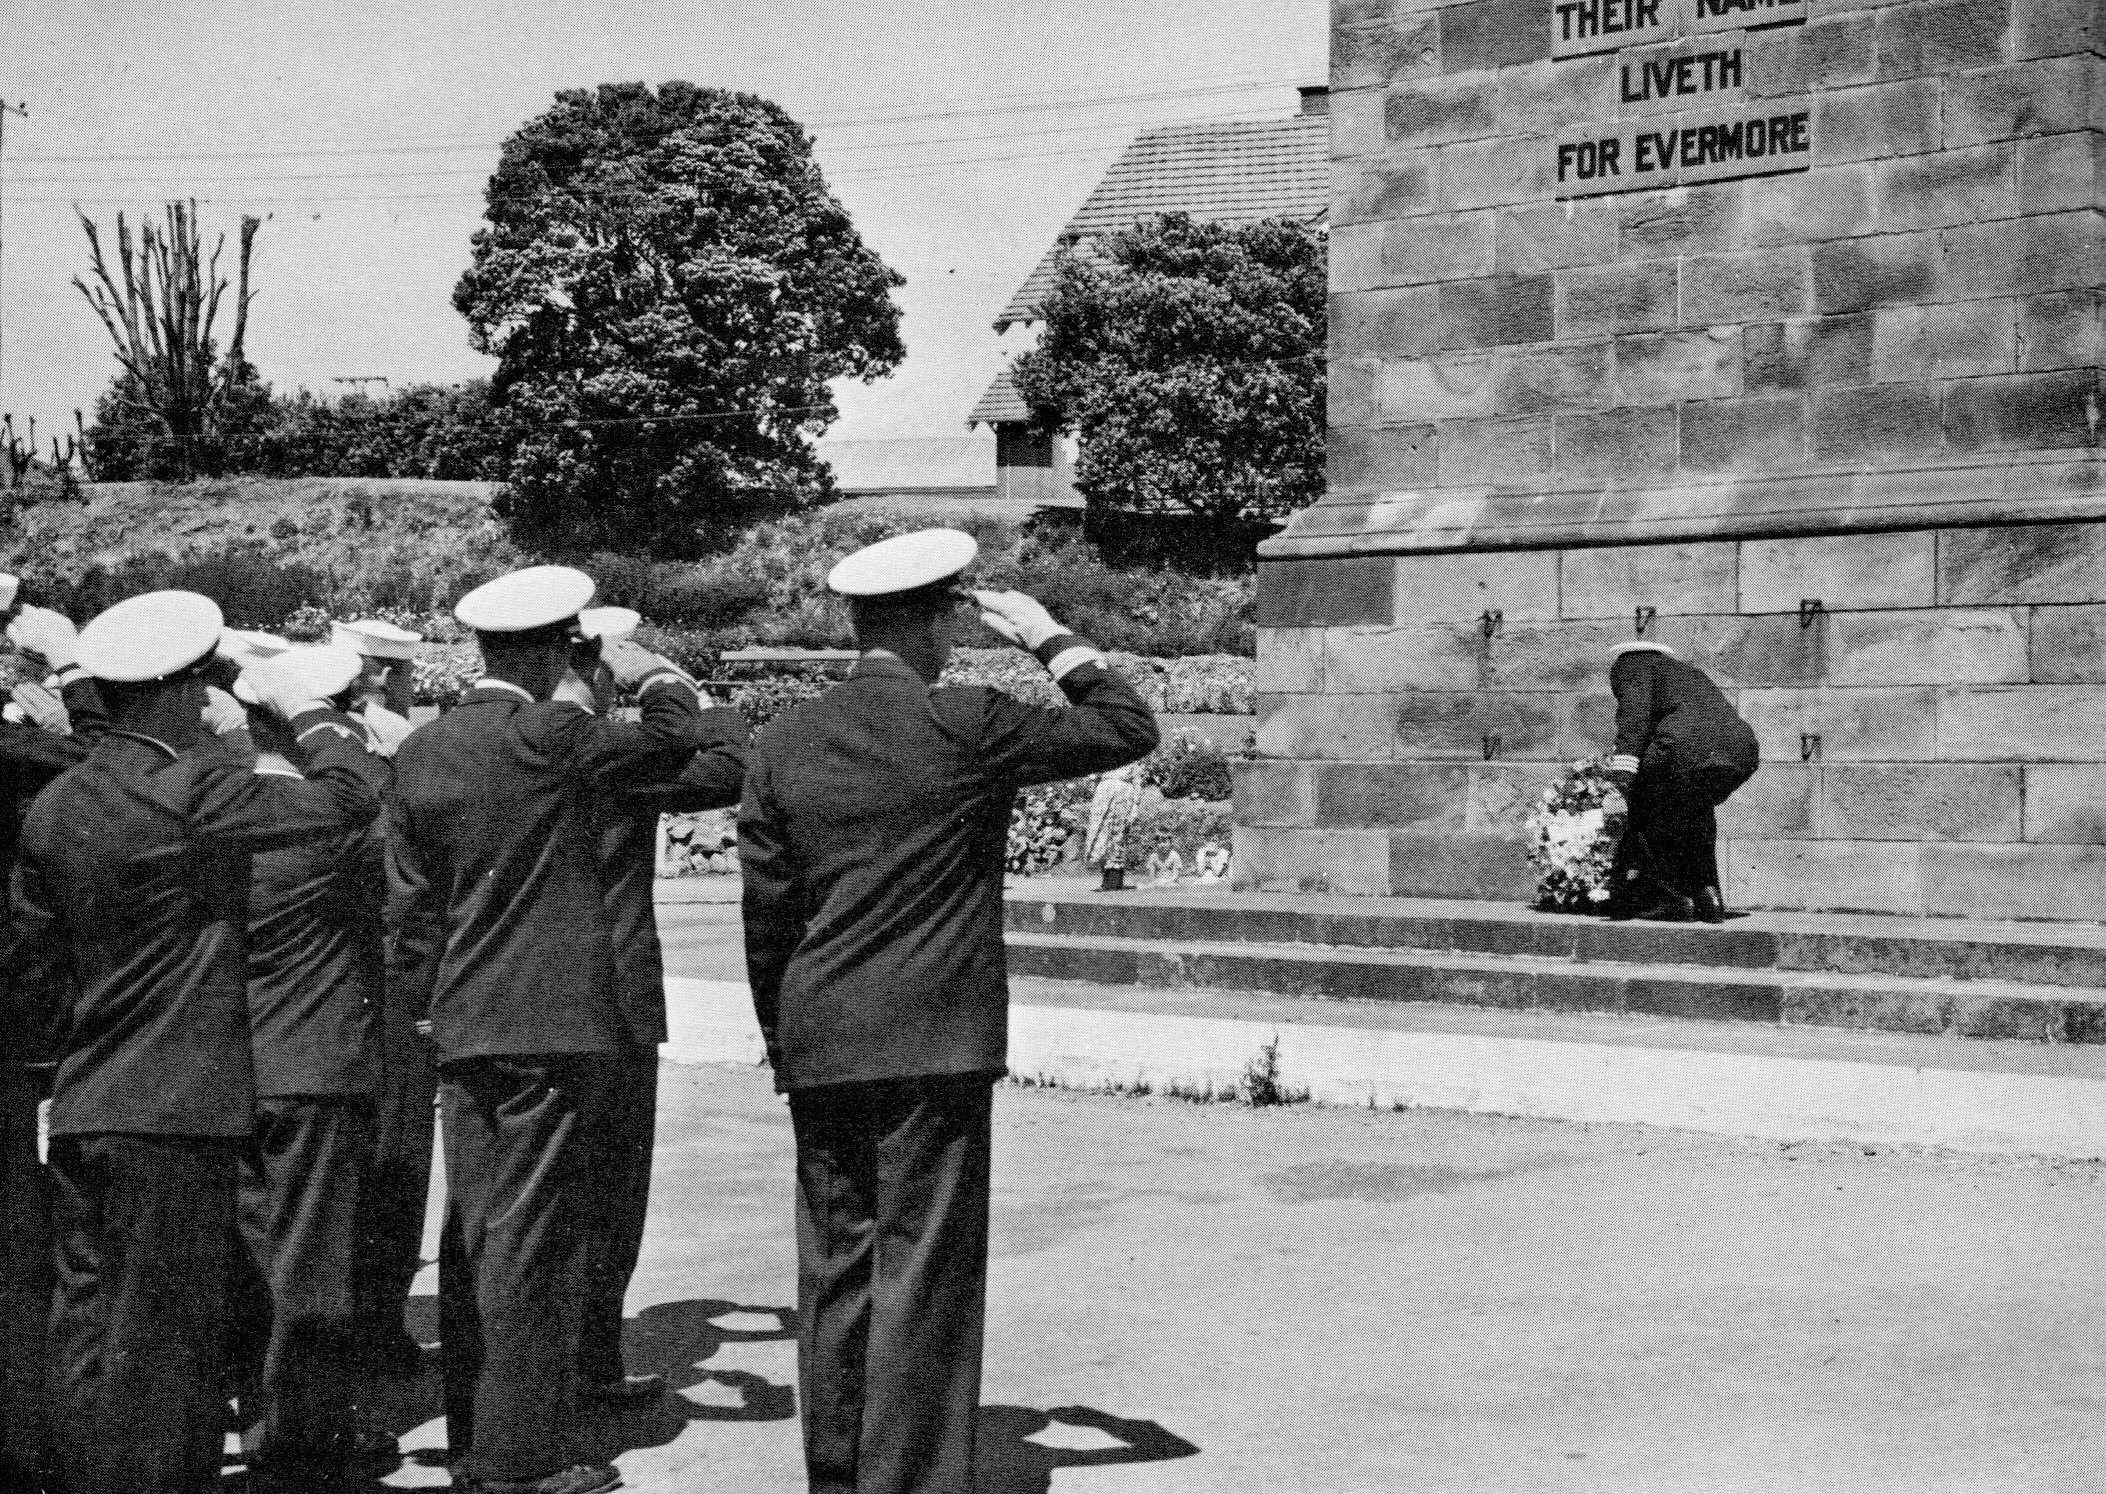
x,y
1493,621
1809,609
1809,746
1492,744
1642,616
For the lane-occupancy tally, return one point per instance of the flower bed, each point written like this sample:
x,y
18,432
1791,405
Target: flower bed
x,y
1571,842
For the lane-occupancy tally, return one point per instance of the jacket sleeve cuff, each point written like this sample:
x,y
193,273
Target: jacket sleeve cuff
x,y
1623,762
325,719
1064,653
659,677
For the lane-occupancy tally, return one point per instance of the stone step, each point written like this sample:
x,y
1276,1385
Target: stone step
x,y
1528,982
2042,954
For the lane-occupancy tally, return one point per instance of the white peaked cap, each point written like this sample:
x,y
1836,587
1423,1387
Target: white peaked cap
x,y
906,562
244,647
315,672
523,600
375,638
9,587
609,622
148,637
1640,646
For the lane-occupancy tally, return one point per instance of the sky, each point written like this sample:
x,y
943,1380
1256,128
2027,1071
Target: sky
x,y
960,136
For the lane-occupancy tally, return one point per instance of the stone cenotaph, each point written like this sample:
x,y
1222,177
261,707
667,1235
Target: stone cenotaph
x,y
1768,329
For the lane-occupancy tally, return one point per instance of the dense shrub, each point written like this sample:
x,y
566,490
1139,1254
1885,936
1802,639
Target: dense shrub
x,y
1188,766
762,701
254,589
1046,826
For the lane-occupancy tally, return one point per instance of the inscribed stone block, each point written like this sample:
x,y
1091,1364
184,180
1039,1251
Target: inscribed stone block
x,y
2024,98
1884,270
2039,412
1616,580
1351,728
1601,300
1566,376
1788,357
1554,236
2014,881
1941,646
1616,446
2057,251
1456,589
1952,341
1877,420
1425,796
1757,285
1656,368
1494,451
1394,660
1318,593
1854,876
1946,187
1744,435
2025,564
1399,323
1493,33
2065,329
2025,723
1848,572
1438,725
1879,119
1897,725
1829,202
1445,388
1387,456
1439,110
1472,866
1687,220
1496,310
1941,38
2066,803
1290,661
2060,173
1442,247
1778,803
1920,801
1355,862
1273,793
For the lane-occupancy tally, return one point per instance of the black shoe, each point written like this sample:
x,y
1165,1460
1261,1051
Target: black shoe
x,y
580,1478
628,1390
394,1357
1710,907
1669,908
1114,879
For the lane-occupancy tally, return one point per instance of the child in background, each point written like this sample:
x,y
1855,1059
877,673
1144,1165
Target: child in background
x,y
1165,865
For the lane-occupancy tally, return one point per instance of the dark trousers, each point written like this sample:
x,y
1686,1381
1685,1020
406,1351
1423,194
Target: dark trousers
x,y
138,1324
892,1185
1670,839
25,1278
518,1135
296,1316
621,1174
398,1180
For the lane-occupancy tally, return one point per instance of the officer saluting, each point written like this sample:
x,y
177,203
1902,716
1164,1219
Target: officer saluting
x,y
130,902
498,929
871,840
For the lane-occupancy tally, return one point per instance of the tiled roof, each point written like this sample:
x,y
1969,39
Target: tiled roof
x,y
1001,403
1236,172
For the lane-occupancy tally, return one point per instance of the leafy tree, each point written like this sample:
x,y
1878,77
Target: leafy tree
x,y
668,285
1188,357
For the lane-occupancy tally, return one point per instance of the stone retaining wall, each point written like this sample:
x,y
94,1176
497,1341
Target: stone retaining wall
x,y
1955,679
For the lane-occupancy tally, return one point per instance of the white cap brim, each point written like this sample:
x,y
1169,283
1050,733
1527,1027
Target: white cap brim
x,y
376,639
150,637
609,622
906,562
1640,646
537,597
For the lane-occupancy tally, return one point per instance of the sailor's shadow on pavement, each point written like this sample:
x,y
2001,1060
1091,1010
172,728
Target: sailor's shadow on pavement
x,y
1018,1447
678,1340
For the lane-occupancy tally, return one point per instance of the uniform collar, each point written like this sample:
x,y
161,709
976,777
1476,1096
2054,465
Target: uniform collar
x,y
500,687
155,742
880,664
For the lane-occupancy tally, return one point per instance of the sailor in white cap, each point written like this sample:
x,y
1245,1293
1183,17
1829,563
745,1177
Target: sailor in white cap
x,y
131,906
499,930
627,825
871,841
387,681
1681,750
45,734
314,985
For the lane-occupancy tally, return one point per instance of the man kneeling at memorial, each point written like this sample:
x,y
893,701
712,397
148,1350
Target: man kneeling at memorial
x,y
1681,751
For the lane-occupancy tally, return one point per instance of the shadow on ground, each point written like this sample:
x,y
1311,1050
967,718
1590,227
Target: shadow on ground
x,y
1009,1461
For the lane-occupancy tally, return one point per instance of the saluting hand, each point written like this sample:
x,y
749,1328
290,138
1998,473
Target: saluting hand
x,y
1021,619
42,708
629,661
222,712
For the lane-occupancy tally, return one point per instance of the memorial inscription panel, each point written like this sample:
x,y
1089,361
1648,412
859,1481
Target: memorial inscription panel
x,y
1677,112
